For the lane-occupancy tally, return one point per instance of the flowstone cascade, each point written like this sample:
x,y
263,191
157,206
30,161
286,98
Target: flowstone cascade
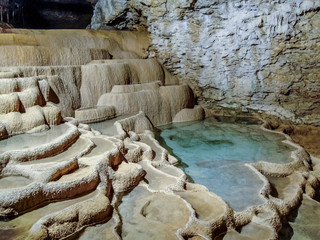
x,y
61,178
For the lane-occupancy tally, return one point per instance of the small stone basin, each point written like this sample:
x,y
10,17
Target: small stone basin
x,y
29,140
19,227
107,127
13,182
214,154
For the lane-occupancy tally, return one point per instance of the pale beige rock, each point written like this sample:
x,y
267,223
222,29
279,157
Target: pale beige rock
x,y
52,115
189,114
127,176
136,42
8,85
141,70
147,101
30,97
64,83
160,106
21,110
61,53
139,222
47,149
95,114
178,97
16,122
306,225
136,87
47,56
9,103
26,83
99,77
8,74
65,95
137,123
202,201
45,89
119,44
61,224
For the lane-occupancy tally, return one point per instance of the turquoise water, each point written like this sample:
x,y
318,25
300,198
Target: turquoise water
x,y
214,154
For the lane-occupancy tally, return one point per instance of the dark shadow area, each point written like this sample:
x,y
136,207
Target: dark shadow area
x,y
286,231
47,14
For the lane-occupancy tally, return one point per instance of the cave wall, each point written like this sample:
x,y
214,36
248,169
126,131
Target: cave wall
x,y
51,14
237,54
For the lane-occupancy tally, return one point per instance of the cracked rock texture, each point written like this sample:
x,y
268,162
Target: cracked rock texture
x,y
261,55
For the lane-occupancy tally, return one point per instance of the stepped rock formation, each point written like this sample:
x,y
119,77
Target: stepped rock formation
x,y
24,107
159,103
72,181
242,55
61,54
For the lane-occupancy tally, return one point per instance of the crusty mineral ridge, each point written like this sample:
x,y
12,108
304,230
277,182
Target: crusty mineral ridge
x,y
243,55
25,107
126,183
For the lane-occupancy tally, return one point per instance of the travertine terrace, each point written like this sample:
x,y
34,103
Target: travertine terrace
x,y
122,184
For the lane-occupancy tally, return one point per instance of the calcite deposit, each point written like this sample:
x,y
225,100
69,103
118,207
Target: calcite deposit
x,y
71,181
236,54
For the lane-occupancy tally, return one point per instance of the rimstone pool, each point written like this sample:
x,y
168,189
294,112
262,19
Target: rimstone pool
x,y
23,141
215,154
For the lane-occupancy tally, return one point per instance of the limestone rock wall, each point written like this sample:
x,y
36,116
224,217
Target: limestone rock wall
x,y
261,55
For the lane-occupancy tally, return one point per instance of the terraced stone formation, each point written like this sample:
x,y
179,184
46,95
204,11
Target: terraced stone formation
x,y
62,178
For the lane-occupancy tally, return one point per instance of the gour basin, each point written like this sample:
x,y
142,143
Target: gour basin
x,y
28,140
214,152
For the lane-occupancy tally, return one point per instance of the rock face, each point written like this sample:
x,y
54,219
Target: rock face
x,y
260,55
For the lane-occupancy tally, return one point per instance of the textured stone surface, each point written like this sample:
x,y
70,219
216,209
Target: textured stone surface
x,y
24,107
160,105
238,54
55,188
99,77
57,56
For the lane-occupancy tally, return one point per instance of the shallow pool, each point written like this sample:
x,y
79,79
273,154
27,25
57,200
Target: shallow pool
x,y
107,127
214,154
28,140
